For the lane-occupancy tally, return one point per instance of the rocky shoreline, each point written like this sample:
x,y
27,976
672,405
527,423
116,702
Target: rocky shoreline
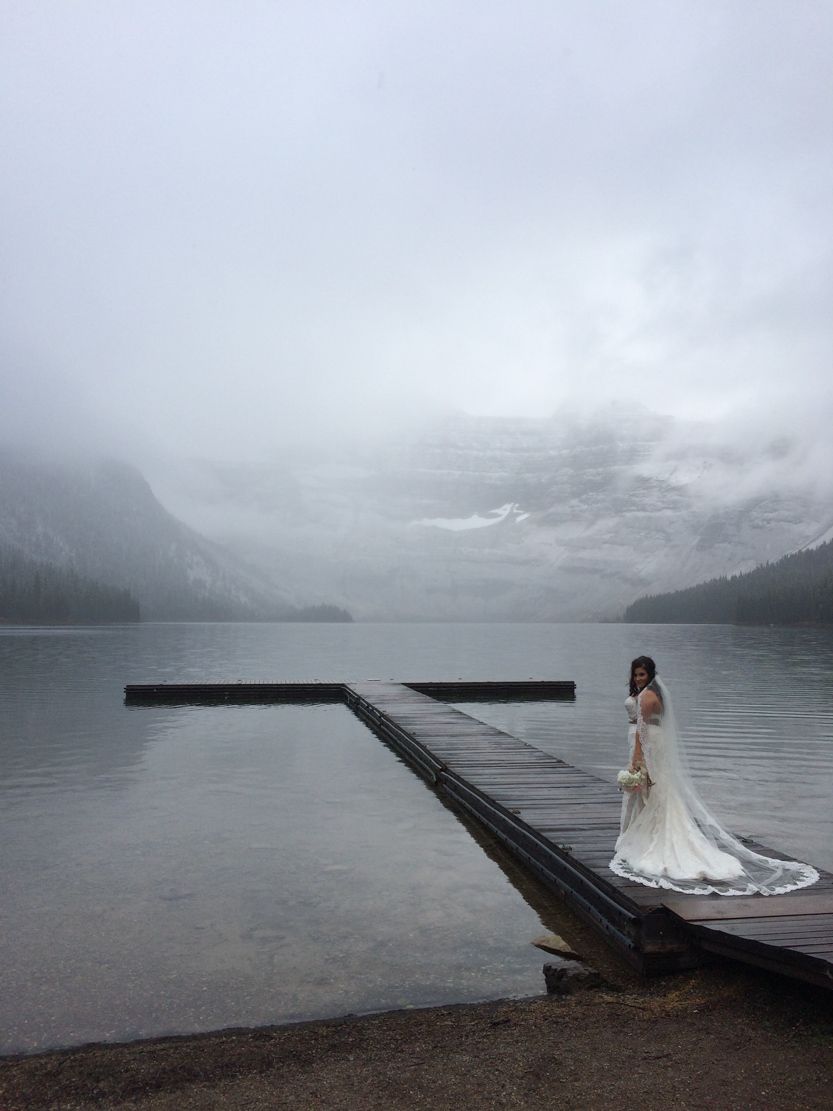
x,y
722,1037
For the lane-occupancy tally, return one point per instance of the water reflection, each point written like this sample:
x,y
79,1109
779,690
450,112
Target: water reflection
x,y
258,865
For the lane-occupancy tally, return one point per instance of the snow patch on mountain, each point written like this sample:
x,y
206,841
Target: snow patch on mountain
x,y
463,524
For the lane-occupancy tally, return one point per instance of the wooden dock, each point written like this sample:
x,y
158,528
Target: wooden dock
x,y
561,822
463,690
179,694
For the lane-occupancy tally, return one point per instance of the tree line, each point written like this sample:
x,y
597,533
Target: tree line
x,y
37,592
34,592
322,612
795,590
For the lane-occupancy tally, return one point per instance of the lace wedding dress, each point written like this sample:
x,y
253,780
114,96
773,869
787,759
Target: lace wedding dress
x,y
670,839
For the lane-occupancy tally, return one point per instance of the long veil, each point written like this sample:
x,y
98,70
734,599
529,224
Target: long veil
x,y
759,874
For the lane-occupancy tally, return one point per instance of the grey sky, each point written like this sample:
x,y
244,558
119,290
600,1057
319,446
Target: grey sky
x,y
229,222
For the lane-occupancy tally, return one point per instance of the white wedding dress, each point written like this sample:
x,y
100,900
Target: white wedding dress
x,y
669,839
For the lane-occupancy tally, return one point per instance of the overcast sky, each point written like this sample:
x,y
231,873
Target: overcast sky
x,y
231,222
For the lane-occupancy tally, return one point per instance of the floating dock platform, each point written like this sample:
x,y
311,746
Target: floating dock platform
x,y
559,821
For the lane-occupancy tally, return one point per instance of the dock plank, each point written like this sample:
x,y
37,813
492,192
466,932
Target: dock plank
x,y
715,907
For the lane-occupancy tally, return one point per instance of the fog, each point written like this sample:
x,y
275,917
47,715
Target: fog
x,y
230,228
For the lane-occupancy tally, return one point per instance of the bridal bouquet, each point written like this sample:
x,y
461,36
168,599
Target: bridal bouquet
x,y
632,781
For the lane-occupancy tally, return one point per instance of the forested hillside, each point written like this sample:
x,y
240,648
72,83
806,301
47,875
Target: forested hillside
x,y
101,522
88,541
796,590
37,593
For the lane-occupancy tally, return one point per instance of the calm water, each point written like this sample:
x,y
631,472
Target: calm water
x,y
168,869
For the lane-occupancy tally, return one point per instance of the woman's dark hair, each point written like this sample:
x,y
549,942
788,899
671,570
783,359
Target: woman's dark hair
x,y
650,667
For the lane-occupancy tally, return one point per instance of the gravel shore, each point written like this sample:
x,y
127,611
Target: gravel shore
x,y
723,1038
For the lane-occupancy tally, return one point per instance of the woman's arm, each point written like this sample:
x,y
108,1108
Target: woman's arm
x,y
649,707
637,758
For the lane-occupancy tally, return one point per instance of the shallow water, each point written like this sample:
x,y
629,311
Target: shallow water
x,y
168,869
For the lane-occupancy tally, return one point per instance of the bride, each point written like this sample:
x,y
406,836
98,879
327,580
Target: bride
x,y
669,838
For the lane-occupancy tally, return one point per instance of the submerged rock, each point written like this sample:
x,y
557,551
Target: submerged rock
x,y
554,943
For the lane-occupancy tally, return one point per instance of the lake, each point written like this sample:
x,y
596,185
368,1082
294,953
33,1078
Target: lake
x,y
174,869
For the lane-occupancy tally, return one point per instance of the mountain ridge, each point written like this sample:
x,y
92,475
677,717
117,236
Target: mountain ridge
x,y
602,510
473,519
100,520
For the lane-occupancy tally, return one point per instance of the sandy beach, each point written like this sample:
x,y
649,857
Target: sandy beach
x,y
723,1037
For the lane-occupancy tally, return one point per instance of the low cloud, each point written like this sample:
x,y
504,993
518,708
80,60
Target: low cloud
x,y
234,231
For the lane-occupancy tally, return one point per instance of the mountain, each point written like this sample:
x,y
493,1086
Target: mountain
x,y
101,522
566,518
795,590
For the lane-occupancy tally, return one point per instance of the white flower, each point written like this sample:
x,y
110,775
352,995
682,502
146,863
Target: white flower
x,y
631,781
